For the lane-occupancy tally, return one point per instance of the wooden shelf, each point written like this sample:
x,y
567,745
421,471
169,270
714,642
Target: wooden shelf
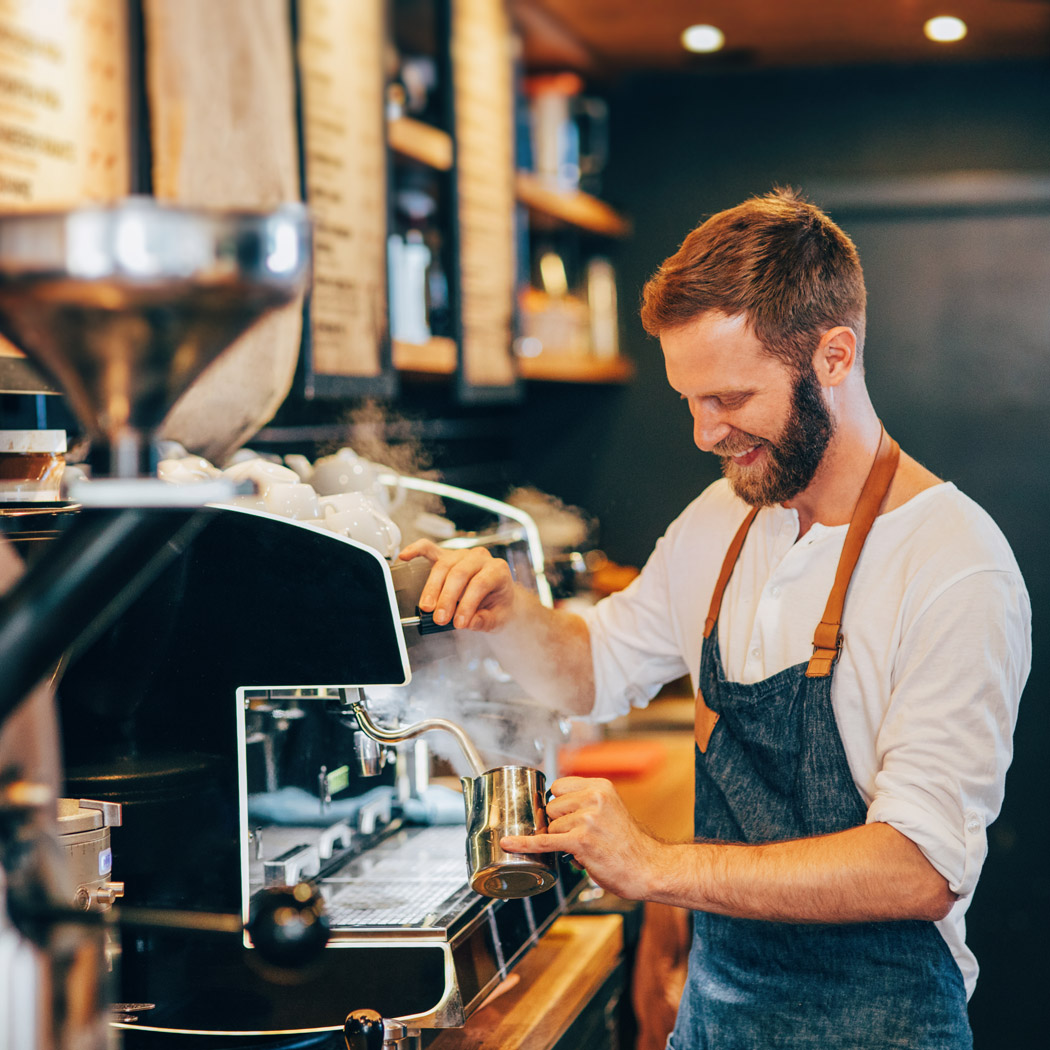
x,y
570,368
422,142
571,207
436,357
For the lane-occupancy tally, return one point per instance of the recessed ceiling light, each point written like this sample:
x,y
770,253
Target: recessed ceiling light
x,y
945,29
703,39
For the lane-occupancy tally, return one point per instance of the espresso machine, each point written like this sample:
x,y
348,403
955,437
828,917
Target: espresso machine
x,y
273,719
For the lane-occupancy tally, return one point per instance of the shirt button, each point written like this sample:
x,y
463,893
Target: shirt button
x,y
973,824
754,654
775,592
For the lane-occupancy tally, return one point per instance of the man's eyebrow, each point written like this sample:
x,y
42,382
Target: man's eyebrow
x,y
732,394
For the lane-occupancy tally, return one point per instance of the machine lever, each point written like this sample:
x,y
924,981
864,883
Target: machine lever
x,y
368,1030
424,621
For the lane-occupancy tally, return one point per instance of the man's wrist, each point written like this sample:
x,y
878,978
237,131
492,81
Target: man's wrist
x,y
664,877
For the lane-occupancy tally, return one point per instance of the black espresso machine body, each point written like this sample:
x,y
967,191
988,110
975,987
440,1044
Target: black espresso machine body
x,y
214,712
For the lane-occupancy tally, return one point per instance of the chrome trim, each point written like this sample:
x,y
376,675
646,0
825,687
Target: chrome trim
x,y
495,506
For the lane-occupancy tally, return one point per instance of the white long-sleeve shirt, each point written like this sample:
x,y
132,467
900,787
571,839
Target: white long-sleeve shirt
x,y
937,648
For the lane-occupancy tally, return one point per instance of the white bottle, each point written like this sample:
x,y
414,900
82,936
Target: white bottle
x,y
407,260
601,300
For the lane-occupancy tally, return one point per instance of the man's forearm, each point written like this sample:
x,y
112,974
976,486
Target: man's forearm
x,y
865,874
548,652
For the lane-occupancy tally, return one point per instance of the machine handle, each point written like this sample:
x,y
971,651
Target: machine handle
x,y
424,621
363,1030
288,925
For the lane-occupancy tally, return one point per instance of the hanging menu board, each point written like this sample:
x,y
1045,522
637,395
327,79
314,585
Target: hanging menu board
x,y
64,136
482,63
63,102
340,51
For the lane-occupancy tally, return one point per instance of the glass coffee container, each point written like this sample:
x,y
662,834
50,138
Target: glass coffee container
x,y
31,465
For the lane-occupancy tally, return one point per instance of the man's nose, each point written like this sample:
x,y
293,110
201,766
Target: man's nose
x,y
709,430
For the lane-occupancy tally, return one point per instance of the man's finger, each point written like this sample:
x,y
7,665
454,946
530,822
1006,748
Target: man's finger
x,y
564,785
533,844
431,593
421,549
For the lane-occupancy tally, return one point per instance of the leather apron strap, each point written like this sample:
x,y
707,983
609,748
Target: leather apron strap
x,y
727,570
827,639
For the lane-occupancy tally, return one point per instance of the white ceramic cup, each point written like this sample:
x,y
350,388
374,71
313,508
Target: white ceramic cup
x,y
300,464
265,475
346,471
358,516
189,470
351,501
292,500
262,472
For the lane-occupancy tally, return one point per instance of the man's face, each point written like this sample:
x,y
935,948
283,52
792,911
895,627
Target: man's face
x,y
769,425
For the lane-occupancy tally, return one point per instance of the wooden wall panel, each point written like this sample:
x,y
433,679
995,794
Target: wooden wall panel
x,y
340,51
482,62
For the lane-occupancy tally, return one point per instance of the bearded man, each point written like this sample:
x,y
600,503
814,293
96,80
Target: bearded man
x,y
858,634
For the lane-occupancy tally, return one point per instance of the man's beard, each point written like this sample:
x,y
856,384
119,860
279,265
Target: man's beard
x,y
790,462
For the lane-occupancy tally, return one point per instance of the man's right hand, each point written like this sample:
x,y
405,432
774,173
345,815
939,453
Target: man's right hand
x,y
469,587
547,651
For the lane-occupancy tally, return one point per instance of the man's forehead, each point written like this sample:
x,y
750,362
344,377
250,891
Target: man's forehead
x,y
716,351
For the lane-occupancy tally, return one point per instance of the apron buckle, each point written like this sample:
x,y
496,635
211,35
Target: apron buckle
x,y
824,656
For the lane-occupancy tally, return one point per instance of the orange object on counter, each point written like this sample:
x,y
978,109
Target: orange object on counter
x,y
610,577
613,758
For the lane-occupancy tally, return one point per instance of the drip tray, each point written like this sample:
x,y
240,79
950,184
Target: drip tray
x,y
417,877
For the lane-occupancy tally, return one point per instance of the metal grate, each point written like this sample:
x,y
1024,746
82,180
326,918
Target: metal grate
x,y
404,881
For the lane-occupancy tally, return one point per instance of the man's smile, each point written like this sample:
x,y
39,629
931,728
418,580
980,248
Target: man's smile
x,y
747,457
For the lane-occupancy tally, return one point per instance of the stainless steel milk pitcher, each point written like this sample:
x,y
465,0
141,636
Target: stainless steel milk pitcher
x,y
506,801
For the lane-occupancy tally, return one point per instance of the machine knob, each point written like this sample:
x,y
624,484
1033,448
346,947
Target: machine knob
x,y
288,925
363,1030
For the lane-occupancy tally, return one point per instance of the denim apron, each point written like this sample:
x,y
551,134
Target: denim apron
x,y
770,766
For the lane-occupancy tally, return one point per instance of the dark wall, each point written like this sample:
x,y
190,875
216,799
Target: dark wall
x,y
957,359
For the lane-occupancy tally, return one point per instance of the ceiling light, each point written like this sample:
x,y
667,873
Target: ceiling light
x,y
703,39
945,29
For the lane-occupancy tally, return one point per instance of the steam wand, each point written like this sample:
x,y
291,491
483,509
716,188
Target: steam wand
x,y
395,736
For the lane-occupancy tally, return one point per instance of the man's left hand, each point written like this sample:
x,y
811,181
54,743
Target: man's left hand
x,y
587,818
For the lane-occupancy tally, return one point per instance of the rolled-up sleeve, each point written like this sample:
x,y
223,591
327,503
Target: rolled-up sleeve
x,y
633,643
946,741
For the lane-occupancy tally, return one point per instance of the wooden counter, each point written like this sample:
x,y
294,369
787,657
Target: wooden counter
x,y
555,982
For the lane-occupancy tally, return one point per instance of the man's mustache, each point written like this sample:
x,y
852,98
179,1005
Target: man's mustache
x,y
733,446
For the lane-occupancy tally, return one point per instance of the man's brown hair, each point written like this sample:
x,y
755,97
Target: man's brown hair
x,y
777,259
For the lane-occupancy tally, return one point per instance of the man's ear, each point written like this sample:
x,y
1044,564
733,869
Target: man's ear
x,y
835,356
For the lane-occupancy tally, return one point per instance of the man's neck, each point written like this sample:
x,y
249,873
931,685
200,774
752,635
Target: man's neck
x,y
832,495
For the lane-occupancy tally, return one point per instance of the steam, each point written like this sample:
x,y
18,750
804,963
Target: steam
x,y
372,426
391,440
561,527
454,676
